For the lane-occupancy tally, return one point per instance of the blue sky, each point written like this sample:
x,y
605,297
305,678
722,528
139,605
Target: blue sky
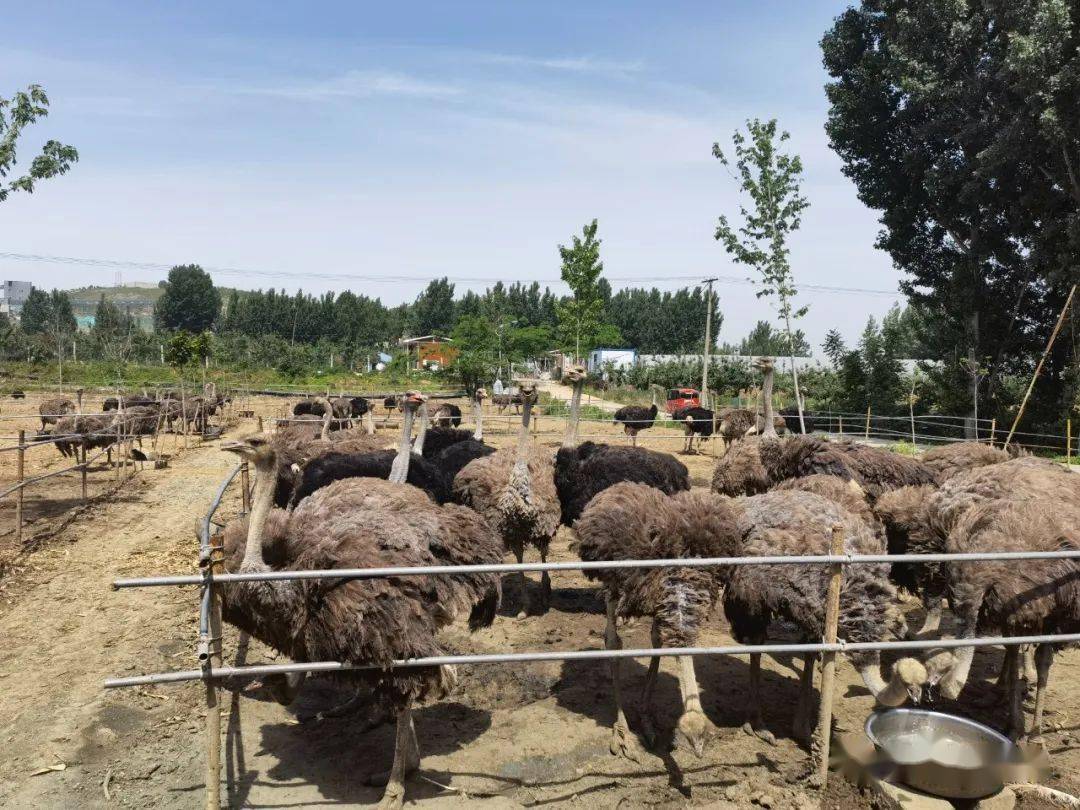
x,y
418,140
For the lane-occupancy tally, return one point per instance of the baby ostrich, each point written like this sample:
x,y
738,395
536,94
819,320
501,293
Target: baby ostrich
x,y
633,521
514,489
1028,597
794,522
635,418
583,470
358,523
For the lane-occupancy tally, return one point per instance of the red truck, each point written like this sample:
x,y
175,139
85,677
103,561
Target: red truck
x,y
679,398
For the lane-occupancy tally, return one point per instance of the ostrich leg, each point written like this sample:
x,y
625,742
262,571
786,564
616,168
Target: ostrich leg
x,y
756,724
622,741
1018,688
545,583
406,761
523,589
932,622
1044,657
645,701
803,725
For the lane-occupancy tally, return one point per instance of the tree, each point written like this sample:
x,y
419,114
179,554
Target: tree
x,y
834,347
764,341
433,311
190,301
960,123
579,315
36,312
16,113
476,341
60,326
772,180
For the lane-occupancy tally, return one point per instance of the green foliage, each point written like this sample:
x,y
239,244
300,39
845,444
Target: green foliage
x,y
36,312
656,322
16,113
433,311
180,350
960,123
771,179
580,315
190,301
763,340
477,343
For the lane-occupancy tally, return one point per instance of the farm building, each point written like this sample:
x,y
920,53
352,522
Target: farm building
x,y
429,351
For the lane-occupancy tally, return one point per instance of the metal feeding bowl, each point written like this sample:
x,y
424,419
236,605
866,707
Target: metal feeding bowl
x,y
942,754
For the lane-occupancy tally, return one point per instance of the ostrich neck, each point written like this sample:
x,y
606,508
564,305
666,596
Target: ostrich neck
x,y
262,499
766,394
399,470
571,437
688,686
478,418
893,693
421,434
328,414
523,433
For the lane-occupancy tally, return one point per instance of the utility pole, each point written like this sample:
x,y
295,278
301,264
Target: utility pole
x,y
708,344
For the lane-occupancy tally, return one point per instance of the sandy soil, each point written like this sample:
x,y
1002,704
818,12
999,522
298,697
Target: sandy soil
x,y
510,736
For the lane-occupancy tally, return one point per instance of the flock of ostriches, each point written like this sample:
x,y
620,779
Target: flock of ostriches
x,y
327,499
64,424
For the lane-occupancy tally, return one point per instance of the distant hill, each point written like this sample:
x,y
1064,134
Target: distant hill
x,y
139,300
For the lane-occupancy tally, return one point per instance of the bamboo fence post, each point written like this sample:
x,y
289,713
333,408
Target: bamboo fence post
x,y
841,418
867,434
245,493
1038,368
20,474
213,704
993,430
260,424
1068,441
82,469
828,659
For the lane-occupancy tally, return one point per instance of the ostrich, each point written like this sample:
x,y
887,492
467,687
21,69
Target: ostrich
x,y
90,432
1030,597
696,421
734,424
514,489
360,523
331,465
846,493
794,522
391,404
634,521
50,410
313,406
635,418
451,458
18,393
953,459
447,415
880,470
790,415
583,470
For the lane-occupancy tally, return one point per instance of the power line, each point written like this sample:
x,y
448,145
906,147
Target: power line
x,y
118,264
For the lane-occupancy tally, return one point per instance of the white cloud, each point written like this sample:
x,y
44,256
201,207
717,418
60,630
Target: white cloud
x,y
571,64
360,84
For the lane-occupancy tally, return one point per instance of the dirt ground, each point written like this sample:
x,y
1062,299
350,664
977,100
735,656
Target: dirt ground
x,y
510,736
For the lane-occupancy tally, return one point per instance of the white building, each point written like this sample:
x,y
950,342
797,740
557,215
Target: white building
x,y
619,358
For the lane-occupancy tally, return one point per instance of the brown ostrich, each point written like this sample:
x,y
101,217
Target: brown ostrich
x,y
953,459
514,489
636,418
630,521
90,432
358,523
50,410
846,493
1028,597
795,523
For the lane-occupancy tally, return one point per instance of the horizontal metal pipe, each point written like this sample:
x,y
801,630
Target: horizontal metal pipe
x,y
601,565
585,655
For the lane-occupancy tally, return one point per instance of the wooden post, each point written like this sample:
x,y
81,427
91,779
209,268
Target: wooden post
x,y
1068,441
1038,368
213,704
20,471
260,424
993,429
841,418
828,659
867,436
245,494
82,469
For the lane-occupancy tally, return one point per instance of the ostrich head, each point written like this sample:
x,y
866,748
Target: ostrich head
x,y
527,390
256,450
764,364
574,374
480,394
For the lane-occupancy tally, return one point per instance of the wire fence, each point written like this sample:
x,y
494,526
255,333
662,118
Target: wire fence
x,y
212,671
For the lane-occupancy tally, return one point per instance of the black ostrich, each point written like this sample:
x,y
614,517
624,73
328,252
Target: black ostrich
x,y
450,451
447,415
584,470
635,418
323,470
696,421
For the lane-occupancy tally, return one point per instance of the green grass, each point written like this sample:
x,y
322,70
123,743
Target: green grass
x,y
905,449
556,407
